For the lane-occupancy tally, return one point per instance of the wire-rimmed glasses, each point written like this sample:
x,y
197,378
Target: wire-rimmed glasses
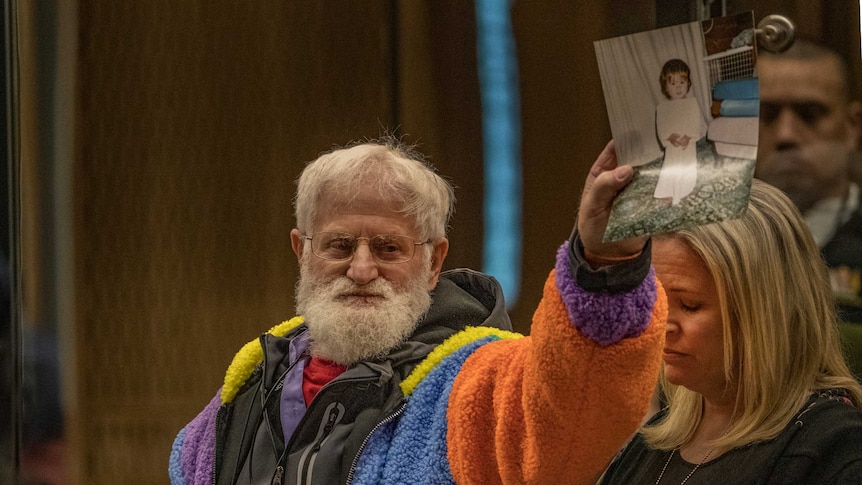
x,y
385,248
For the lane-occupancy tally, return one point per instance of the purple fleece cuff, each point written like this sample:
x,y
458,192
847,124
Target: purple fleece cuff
x,y
602,316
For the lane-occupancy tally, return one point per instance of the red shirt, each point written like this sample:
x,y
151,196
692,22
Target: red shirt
x,y
316,374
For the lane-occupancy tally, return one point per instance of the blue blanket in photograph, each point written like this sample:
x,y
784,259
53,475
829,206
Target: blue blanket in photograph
x,y
737,89
740,107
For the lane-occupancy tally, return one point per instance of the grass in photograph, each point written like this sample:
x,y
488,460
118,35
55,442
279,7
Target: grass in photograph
x,y
721,192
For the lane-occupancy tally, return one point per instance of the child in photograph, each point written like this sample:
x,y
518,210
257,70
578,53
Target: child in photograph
x,y
679,125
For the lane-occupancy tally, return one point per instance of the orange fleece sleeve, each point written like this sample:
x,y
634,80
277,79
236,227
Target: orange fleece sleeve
x,y
554,407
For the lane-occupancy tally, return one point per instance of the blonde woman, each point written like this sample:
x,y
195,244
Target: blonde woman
x,y
757,388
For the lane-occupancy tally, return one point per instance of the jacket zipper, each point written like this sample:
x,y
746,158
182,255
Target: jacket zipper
x,y
388,419
279,471
306,463
215,461
279,474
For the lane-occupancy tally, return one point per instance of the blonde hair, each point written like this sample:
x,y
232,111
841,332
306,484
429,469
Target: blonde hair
x,y
393,169
781,340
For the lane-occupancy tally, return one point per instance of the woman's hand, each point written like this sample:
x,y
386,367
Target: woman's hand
x,y
605,180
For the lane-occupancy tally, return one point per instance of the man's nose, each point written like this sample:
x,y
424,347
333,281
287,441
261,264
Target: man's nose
x,y
788,128
363,267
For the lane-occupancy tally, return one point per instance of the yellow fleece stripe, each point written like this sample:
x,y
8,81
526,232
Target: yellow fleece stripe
x,y
248,357
451,344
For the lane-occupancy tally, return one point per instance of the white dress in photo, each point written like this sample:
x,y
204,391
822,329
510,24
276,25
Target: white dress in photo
x,y
679,169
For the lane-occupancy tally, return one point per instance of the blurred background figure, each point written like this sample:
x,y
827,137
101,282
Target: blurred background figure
x,y
809,135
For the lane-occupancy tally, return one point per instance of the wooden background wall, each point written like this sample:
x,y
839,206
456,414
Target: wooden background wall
x,y
193,119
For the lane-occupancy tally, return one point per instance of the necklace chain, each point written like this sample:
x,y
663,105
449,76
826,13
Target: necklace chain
x,y
702,461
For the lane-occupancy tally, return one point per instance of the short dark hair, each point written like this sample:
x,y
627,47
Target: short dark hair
x,y
807,50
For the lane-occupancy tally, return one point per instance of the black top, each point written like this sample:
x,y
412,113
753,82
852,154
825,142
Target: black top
x,y
821,445
843,256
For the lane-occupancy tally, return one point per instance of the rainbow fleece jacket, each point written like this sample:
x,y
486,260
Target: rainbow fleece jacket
x,y
485,405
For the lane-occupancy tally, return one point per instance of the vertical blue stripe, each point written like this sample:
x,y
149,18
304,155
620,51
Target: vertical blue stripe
x,y
501,131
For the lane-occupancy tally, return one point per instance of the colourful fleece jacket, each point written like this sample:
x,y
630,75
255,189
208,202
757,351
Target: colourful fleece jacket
x,y
488,406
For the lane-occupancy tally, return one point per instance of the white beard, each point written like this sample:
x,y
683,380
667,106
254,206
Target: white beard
x,y
345,330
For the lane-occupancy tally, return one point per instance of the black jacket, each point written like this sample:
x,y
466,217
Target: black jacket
x,y
843,255
323,448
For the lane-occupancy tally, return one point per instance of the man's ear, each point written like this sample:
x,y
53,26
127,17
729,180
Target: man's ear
x,y
854,137
438,255
854,123
297,242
